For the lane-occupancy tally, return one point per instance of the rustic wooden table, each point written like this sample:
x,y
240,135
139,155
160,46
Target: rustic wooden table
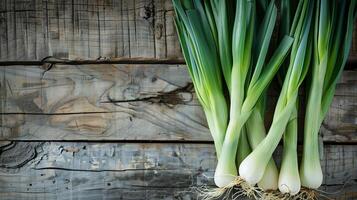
x,y
96,103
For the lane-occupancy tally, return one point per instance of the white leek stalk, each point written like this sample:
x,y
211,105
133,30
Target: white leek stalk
x,y
289,178
256,134
334,23
221,14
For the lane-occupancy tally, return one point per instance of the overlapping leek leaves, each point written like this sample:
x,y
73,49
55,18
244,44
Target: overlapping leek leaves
x,y
253,167
198,42
222,12
244,100
204,47
221,23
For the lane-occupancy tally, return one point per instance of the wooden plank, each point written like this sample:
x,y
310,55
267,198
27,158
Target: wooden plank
x,y
57,170
86,30
126,102
150,102
338,160
98,171
90,30
341,121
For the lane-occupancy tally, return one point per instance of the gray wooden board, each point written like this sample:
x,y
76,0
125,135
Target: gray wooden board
x,y
87,29
151,102
60,170
90,29
127,102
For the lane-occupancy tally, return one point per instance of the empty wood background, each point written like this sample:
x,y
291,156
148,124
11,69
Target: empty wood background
x,y
96,103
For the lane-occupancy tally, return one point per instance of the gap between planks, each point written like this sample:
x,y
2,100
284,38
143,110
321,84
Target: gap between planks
x,y
351,62
105,61
141,141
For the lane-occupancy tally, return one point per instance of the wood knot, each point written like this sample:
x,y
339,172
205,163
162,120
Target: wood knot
x,y
158,30
149,12
69,149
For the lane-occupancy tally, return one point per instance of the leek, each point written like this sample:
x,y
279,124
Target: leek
x,y
223,25
334,22
257,132
289,179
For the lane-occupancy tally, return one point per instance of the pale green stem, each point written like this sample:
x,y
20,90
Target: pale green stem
x,y
256,134
253,167
226,166
218,141
243,149
289,179
310,169
217,121
226,170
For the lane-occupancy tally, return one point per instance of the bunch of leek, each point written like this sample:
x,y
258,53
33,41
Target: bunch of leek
x,y
200,28
332,34
246,88
252,168
229,55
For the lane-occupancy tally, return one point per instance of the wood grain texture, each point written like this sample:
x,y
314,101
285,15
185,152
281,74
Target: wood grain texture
x,y
340,123
90,30
100,102
57,170
87,29
127,102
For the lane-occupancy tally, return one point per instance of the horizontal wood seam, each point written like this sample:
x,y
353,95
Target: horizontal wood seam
x,y
101,170
350,65
123,141
84,62
118,141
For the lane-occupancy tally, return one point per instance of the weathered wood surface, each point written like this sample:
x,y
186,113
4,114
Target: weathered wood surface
x,y
126,102
82,29
57,170
90,29
100,102
341,122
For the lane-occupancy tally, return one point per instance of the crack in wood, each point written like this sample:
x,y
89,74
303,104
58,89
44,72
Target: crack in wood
x,y
171,97
6,146
105,170
48,68
50,114
350,65
111,141
96,61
